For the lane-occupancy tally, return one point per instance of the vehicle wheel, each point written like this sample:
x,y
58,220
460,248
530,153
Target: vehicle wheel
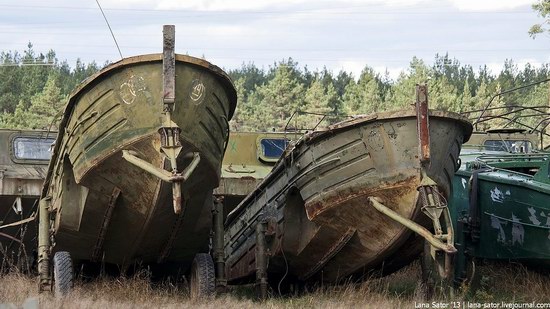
x,y
433,274
202,279
62,273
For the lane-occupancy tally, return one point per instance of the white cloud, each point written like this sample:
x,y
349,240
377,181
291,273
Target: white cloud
x,y
523,61
238,5
489,5
246,5
353,66
222,5
393,72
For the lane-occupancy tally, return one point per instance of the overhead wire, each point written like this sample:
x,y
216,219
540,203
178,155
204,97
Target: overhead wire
x,y
111,30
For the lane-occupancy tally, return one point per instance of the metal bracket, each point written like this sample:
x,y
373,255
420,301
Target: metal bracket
x,y
415,227
17,205
20,222
172,177
433,206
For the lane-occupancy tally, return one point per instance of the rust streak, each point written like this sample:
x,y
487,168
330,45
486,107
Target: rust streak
x,y
338,197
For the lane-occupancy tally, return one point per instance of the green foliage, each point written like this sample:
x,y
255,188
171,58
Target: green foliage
x,y
34,88
363,96
44,110
278,98
542,7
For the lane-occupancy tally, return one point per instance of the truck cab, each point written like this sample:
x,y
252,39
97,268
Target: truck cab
x,y
24,158
249,158
512,140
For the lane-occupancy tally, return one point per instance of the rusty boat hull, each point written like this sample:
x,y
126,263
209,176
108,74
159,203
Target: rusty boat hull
x,y
102,207
318,222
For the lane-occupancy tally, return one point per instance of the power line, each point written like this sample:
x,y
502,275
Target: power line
x,y
25,64
328,10
111,30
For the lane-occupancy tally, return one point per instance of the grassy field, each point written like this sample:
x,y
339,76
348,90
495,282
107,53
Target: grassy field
x,y
500,282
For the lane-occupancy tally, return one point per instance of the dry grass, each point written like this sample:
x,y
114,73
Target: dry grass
x,y
502,282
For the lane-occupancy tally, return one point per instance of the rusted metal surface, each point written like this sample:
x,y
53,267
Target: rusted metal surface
x,y
126,100
170,242
105,92
320,189
338,245
169,64
261,259
44,245
423,122
106,221
245,267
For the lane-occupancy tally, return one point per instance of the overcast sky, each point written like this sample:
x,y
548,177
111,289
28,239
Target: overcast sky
x,y
337,34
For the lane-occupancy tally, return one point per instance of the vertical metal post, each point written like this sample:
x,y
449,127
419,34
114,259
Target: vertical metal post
x,y
44,245
261,261
169,64
423,124
170,132
218,244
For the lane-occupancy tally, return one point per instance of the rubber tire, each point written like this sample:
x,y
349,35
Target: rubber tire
x,y
62,273
202,277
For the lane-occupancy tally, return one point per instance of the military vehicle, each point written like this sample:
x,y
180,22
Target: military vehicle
x,y
134,167
499,206
23,164
249,158
346,200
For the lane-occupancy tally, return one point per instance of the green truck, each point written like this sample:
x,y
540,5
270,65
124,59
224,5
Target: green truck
x,y
23,164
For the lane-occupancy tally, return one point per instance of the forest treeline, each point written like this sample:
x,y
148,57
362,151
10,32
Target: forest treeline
x,y
34,88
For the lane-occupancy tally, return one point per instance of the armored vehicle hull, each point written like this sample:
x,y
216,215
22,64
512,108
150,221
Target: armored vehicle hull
x,y
23,166
503,212
499,206
249,158
316,217
116,169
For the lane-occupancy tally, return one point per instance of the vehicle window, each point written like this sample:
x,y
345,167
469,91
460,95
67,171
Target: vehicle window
x,y
508,145
272,148
32,148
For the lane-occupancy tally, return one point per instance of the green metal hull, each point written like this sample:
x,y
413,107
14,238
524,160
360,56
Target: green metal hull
x,y
511,205
103,207
21,178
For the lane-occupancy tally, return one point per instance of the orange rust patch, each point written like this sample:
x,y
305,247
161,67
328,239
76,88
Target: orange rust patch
x,y
385,191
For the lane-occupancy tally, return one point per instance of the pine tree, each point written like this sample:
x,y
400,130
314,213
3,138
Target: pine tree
x,y
403,92
317,100
443,95
466,99
43,112
280,98
542,7
363,96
